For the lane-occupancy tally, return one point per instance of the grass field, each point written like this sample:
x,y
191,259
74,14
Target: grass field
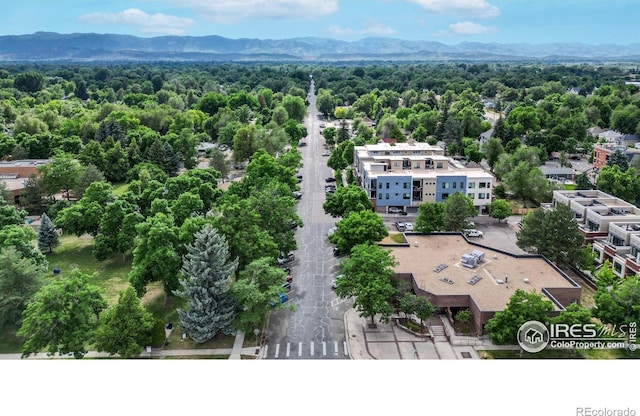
x,y
112,276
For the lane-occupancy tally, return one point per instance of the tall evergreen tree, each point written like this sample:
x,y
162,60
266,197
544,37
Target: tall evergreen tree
x,y
172,161
207,273
47,236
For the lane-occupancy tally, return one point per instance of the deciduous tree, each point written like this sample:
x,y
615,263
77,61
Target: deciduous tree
x,y
366,276
62,316
20,279
522,307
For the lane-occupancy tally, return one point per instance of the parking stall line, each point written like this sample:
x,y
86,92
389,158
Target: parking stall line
x,y
335,345
266,350
288,349
277,350
312,348
299,349
346,351
324,348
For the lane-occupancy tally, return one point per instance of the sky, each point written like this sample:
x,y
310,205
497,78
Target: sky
x,y
445,21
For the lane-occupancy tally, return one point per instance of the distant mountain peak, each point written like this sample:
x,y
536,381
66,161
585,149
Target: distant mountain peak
x,y
50,46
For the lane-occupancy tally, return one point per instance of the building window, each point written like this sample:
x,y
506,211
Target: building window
x,y
617,267
405,185
387,185
455,185
406,196
386,196
461,185
445,185
472,185
481,195
416,165
396,164
379,196
380,185
483,185
439,165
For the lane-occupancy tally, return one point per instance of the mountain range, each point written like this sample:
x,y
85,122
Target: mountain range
x,y
47,46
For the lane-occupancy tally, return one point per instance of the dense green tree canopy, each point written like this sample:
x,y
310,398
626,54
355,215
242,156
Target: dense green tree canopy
x,y
63,316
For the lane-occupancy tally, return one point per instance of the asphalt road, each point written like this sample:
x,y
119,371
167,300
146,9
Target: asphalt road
x,y
314,329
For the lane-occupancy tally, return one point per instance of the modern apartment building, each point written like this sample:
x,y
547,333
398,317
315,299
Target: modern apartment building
x,y
610,224
404,175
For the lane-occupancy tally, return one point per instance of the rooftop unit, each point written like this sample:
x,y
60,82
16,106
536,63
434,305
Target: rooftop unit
x,y
472,259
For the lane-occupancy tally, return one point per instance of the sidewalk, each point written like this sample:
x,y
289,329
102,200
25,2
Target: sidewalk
x,y
390,342
234,353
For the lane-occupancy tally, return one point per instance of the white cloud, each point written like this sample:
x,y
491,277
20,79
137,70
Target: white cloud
x,y
229,11
466,28
474,8
470,28
146,23
372,28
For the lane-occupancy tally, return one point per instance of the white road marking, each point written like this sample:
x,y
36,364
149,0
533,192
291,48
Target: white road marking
x,y
335,344
312,348
266,349
299,349
324,348
288,348
346,352
277,350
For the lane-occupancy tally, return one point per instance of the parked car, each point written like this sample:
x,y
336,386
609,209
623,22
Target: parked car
x,y
223,147
330,190
302,144
285,259
330,179
331,231
283,298
334,284
336,251
287,286
473,233
400,226
396,210
326,153
408,226
289,278
297,194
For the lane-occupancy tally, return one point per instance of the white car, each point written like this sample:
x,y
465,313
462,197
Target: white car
x,y
408,226
473,233
331,231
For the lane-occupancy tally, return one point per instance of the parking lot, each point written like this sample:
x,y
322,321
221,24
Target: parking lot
x,y
501,236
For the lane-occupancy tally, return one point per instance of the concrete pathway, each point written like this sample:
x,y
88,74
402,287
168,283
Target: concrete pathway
x,y
234,353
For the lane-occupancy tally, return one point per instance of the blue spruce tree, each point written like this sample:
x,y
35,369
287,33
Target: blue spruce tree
x,y
206,278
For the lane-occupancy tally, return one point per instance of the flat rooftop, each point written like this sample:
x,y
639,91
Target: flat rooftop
x,y
434,250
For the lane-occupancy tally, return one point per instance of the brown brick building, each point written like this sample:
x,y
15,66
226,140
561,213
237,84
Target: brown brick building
x,y
434,267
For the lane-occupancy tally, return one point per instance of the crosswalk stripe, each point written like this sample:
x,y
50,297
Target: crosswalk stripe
x,y
299,349
324,348
266,349
288,348
346,352
311,347
335,344
277,350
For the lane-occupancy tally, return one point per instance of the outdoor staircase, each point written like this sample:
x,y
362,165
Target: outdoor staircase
x,y
438,334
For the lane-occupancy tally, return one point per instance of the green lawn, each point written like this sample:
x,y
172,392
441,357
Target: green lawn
x,y
112,276
120,188
75,252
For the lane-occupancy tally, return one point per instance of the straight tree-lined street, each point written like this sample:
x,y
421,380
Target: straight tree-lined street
x,y
314,329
